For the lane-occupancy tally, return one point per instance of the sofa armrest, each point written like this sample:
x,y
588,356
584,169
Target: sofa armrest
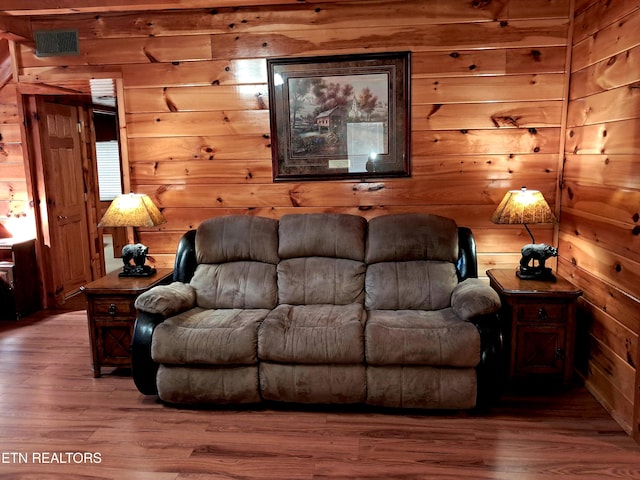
x,y
490,370
476,302
167,300
467,265
154,306
472,298
143,368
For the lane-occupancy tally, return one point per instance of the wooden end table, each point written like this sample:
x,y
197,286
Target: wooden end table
x,y
540,324
19,285
111,315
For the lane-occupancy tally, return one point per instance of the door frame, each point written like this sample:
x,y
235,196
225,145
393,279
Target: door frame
x,y
56,86
52,289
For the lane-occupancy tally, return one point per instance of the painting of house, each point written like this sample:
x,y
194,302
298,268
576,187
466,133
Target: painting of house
x,y
329,119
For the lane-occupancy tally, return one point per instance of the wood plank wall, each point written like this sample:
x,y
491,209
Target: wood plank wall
x,y
489,91
599,236
14,196
488,82
12,181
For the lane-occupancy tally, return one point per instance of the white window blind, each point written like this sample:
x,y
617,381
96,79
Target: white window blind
x,y
103,91
108,157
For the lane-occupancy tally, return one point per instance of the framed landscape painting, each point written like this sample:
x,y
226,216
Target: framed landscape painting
x,y
339,117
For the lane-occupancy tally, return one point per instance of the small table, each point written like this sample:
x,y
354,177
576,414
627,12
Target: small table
x,y
111,315
19,284
540,322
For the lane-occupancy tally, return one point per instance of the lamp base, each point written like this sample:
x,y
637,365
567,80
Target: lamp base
x,y
536,273
137,271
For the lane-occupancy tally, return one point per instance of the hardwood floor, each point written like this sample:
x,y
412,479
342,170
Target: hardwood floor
x,y
58,422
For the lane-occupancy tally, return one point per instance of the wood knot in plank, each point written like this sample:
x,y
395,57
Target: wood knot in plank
x,y
261,103
480,3
170,105
148,54
505,120
434,109
293,198
570,193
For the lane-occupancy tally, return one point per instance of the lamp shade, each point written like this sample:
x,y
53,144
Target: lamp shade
x,y
4,233
522,207
132,210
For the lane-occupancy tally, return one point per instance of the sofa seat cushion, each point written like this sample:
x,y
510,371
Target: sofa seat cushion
x,y
313,383
211,337
421,337
313,334
208,385
422,387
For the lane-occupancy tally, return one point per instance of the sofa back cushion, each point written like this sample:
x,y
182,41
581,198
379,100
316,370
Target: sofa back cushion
x,y
237,258
417,285
235,285
330,235
411,262
322,259
412,236
237,238
321,280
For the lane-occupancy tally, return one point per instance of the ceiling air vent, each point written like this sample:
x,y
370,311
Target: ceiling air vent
x,y
53,43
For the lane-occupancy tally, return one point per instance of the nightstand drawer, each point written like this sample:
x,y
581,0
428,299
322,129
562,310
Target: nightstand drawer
x,y
116,307
542,311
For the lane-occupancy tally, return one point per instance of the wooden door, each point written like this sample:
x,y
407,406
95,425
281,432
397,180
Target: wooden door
x,y
66,199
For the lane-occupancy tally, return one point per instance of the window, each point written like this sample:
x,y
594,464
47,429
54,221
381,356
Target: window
x,y
108,158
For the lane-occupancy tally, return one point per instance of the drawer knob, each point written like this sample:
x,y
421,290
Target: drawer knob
x,y
542,314
112,309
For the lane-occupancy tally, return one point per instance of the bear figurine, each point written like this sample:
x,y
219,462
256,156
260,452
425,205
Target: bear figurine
x,y
539,252
138,253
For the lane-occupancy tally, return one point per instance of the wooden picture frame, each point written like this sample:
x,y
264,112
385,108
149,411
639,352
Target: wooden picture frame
x,y
340,117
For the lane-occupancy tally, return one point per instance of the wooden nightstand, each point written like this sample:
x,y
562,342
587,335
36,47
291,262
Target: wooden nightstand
x,y
539,319
19,284
111,315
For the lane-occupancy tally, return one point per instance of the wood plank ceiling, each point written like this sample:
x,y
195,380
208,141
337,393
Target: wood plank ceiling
x,y
53,7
